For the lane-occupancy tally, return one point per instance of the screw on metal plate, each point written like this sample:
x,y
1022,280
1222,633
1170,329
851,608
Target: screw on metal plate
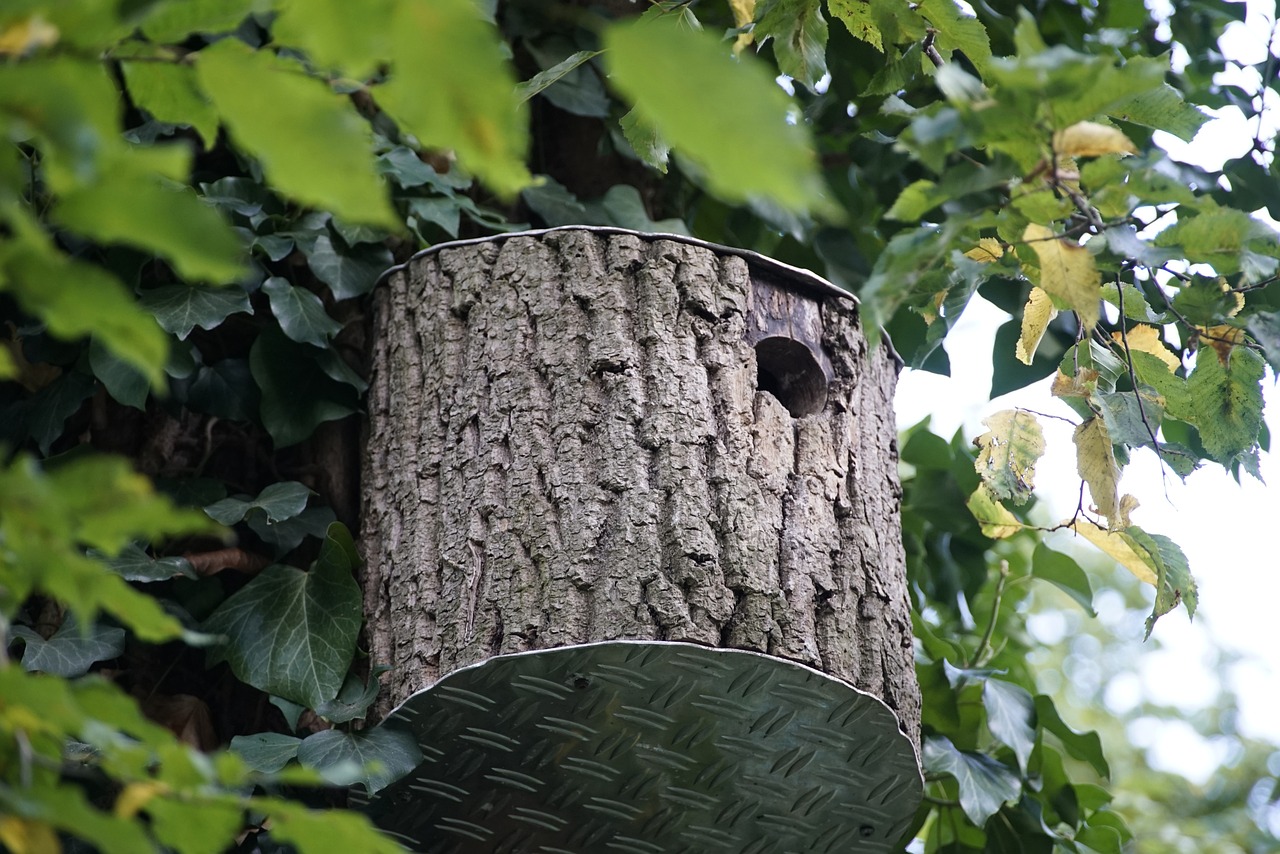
x,y
644,747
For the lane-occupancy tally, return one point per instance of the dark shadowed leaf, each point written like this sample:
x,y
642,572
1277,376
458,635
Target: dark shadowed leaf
x,y
375,757
180,308
266,751
69,652
1065,574
300,313
297,393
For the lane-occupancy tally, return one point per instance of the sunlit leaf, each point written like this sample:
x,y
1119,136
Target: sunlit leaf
x,y
1067,272
1174,583
1090,139
1226,401
1118,545
799,35
168,91
985,785
1036,315
1148,340
1008,453
993,517
1096,465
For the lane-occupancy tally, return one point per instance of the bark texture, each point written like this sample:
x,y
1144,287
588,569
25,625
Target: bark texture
x,y
567,443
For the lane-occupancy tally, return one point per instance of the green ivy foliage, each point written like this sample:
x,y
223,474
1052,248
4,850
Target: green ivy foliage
x,y
196,197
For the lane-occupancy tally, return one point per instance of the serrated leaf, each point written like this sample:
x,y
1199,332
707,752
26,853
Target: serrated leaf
x,y
984,784
650,61
645,141
1162,108
174,22
993,517
134,564
1265,329
267,752
1147,339
1008,452
180,308
69,652
1010,717
1096,465
297,393
293,633
351,37
1226,401
957,31
312,143
1067,272
1173,583
879,22
1091,139
1064,573
1215,236
1036,315
380,756
277,502
168,91
452,88
300,313
799,35
1119,546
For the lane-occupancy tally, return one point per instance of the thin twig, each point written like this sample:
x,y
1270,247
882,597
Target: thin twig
x,y
985,643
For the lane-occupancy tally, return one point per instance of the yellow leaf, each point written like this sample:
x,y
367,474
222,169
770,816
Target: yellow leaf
x,y
1118,546
1096,463
931,311
1008,454
136,796
23,836
31,33
988,249
1035,320
1090,139
1083,384
1147,339
1221,339
744,12
1128,504
1067,272
993,517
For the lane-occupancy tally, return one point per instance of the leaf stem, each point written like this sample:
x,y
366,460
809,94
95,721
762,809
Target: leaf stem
x,y
985,644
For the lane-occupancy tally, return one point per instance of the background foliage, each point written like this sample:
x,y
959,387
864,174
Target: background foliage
x,y
195,198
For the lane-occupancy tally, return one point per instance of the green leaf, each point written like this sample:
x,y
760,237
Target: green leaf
x,y
1216,236
69,652
451,87
1087,746
168,91
353,699
645,141
293,633
301,313
548,77
349,272
173,22
312,143
266,751
378,756
134,564
1065,574
957,31
1227,401
799,34
352,37
297,393
985,785
1010,717
1008,454
180,308
1162,108
225,389
1174,583
1265,329
879,22
196,826
736,124
277,502
323,830
48,410
122,380
284,536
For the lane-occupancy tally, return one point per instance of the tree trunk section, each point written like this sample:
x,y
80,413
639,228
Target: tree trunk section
x,y
571,440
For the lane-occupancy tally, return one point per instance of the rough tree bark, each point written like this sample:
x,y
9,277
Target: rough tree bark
x,y
568,444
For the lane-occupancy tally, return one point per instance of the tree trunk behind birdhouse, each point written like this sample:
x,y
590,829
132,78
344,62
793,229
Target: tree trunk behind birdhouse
x,y
581,435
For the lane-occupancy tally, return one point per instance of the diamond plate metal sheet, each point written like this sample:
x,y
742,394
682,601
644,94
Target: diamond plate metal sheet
x,y
649,747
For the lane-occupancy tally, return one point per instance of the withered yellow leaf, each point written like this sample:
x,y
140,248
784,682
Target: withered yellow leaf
x,y
993,517
1096,464
1221,339
1083,384
1090,139
1036,315
988,249
136,796
744,12
1008,453
1067,272
28,836
1147,339
30,33
1119,546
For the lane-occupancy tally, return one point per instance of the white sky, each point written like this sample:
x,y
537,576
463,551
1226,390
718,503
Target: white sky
x,y
1230,532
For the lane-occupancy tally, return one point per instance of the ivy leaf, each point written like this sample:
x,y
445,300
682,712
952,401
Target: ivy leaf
x,y
301,313
354,699
69,652
1087,746
375,757
277,502
985,785
1067,272
1011,717
348,273
1065,574
1227,401
297,393
48,410
123,381
267,752
225,389
180,308
134,564
293,633
1008,452
651,60
452,88
312,143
